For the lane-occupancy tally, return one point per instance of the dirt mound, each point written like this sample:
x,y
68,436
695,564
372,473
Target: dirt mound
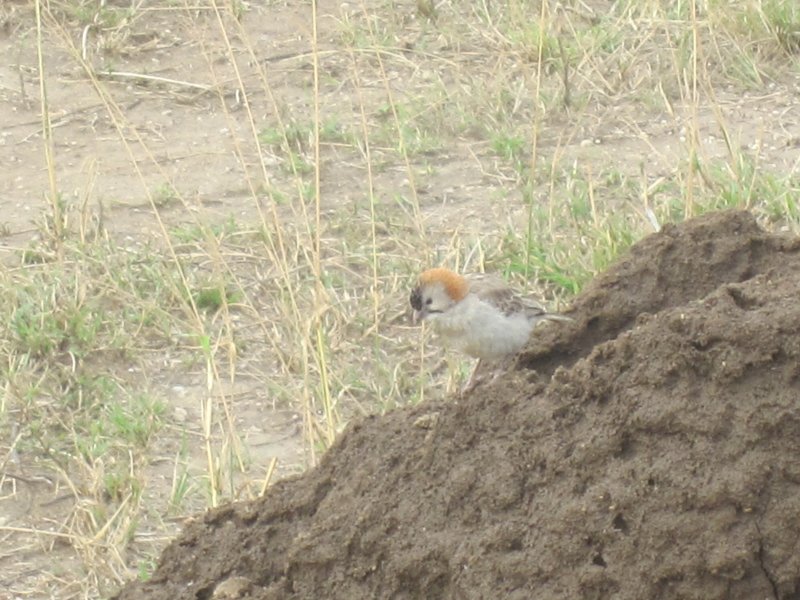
x,y
656,454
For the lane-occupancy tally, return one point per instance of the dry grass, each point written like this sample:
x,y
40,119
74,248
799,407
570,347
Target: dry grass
x,y
536,139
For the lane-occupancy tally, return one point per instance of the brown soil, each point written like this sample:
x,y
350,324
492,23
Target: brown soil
x,y
659,460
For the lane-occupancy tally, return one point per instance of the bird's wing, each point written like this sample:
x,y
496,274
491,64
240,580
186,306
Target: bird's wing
x,y
494,290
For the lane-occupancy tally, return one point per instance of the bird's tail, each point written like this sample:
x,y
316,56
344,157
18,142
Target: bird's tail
x,y
548,316
557,317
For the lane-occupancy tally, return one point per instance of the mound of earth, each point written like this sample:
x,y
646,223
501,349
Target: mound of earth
x,y
650,449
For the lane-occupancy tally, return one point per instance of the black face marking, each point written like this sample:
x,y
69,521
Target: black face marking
x,y
416,299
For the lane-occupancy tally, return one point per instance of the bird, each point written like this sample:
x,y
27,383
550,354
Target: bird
x,y
478,314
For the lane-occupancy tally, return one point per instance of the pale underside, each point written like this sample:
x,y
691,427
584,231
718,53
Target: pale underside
x,y
492,322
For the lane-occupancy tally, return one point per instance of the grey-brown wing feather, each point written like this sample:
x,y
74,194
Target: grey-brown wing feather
x,y
494,290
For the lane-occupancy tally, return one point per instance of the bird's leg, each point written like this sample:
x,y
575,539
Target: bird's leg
x,y
497,369
473,378
502,366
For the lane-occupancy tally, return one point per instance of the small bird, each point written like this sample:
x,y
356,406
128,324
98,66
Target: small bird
x,y
479,315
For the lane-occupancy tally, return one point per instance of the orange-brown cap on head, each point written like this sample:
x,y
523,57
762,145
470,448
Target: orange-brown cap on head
x,y
455,285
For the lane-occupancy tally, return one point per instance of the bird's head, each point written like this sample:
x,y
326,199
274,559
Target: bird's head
x,y
436,292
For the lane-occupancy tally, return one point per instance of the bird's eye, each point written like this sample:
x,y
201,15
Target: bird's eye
x,y
429,301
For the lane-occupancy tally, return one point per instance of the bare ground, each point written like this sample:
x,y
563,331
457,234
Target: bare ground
x,y
163,138
653,457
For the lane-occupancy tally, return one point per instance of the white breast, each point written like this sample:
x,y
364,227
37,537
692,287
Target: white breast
x,y
481,331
